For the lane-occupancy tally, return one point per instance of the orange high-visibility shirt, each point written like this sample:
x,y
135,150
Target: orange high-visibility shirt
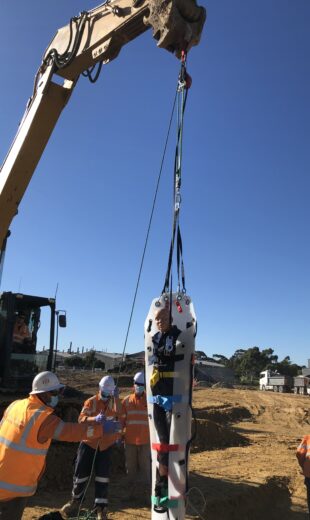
x,y
303,455
111,409
135,420
26,431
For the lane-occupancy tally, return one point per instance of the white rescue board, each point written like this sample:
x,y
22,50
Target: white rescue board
x,y
181,355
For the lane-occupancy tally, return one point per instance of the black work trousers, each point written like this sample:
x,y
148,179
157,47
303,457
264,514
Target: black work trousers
x,y
13,509
86,458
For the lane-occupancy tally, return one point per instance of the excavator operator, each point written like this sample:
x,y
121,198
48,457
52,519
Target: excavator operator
x,y
22,337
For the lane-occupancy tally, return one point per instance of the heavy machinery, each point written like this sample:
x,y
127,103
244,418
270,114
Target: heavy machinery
x,y
275,382
93,38
20,320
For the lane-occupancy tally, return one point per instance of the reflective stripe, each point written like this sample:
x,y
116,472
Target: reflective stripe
x,y
101,500
80,480
137,422
137,412
18,489
77,496
22,447
102,479
90,432
58,430
30,424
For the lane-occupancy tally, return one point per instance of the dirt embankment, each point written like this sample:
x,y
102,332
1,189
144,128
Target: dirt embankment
x,y
242,466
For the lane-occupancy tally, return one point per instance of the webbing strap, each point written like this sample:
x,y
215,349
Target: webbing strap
x,y
165,501
182,91
165,448
166,402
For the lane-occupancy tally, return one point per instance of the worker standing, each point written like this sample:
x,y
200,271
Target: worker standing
x,y
96,452
26,431
303,457
137,436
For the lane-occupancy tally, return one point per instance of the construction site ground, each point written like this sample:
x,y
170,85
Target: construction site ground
x,y
242,464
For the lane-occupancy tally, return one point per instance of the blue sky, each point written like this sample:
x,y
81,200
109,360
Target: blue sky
x,y
246,188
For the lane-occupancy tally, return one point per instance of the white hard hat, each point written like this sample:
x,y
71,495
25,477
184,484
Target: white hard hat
x,y
107,385
45,382
139,378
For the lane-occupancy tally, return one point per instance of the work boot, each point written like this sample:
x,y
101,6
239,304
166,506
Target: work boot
x,y
102,513
70,509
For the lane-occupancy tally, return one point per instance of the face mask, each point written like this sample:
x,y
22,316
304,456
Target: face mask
x,y
139,389
104,397
54,401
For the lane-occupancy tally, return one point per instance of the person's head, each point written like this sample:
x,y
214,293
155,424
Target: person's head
x,y
162,319
20,318
48,388
106,388
139,383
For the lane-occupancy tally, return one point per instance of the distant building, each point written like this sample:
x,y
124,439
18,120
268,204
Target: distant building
x,y
209,370
306,371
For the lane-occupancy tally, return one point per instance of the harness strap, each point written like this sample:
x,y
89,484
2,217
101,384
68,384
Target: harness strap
x,y
165,501
165,448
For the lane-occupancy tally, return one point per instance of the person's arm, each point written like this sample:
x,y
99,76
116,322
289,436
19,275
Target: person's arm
x,y
301,452
54,428
123,416
88,413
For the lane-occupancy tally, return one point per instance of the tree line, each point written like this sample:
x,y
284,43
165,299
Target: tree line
x,y
248,363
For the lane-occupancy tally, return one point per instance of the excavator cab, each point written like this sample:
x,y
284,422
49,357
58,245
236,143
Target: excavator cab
x,y
20,361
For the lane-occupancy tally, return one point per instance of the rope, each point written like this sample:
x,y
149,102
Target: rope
x,y
190,504
182,91
148,231
88,482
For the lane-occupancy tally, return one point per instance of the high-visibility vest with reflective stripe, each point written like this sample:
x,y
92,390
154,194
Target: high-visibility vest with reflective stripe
x,y
135,419
22,457
111,409
303,455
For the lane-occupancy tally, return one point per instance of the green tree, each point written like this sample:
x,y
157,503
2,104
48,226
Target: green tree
x,y
74,361
90,359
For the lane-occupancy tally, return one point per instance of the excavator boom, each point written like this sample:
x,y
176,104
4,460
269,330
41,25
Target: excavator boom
x,y
93,37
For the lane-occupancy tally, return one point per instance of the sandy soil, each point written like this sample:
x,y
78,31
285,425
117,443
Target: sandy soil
x,y
242,463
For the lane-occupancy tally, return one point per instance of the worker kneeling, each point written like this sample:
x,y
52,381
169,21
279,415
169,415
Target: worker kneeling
x,y
26,431
96,452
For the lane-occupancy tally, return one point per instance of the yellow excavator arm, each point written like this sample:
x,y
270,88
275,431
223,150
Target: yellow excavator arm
x,y
93,37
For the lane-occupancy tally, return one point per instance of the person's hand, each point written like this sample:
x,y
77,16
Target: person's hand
x,y
100,418
111,426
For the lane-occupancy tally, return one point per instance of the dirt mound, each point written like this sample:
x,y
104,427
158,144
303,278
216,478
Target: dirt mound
x,y
208,435
224,414
225,500
62,455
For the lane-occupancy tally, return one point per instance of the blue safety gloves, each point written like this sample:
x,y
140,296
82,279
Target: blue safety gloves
x,y
111,426
100,418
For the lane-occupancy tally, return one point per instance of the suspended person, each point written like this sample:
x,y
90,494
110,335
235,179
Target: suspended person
x,y
26,431
137,437
96,452
164,345
303,457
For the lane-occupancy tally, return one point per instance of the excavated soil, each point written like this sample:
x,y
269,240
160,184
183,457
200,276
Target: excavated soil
x,y
242,464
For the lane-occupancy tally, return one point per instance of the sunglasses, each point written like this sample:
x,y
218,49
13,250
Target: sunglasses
x,y
60,391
